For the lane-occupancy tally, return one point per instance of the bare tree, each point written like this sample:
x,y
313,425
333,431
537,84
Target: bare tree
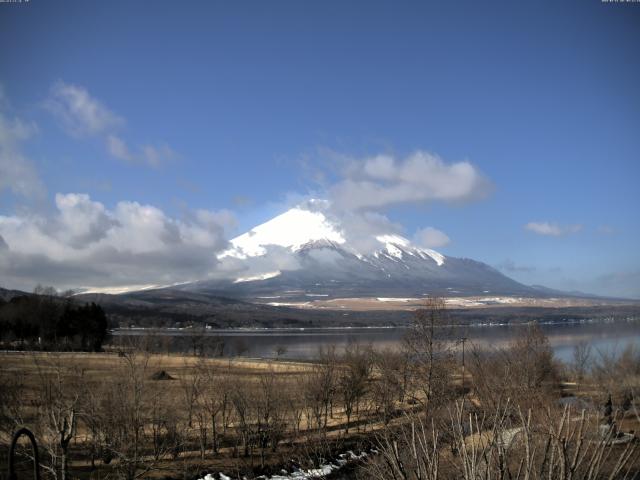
x,y
240,395
501,445
12,408
390,382
125,407
353,377
58,404
320,389
428,344
533,357
581,360
269,414
214,399
280,350
190,385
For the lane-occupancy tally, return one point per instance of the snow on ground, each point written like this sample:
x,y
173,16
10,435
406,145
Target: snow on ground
x,y
483,301
301,474
125,289
290,304
390,299
262,276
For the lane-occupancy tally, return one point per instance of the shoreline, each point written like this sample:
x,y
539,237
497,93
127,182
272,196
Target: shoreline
x,y
310,330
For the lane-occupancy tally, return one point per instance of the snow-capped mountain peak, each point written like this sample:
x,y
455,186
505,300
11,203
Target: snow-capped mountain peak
x,y
292,229
395,245
306,253
299,228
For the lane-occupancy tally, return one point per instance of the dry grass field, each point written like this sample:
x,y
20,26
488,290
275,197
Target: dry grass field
x,y
134,414
179,400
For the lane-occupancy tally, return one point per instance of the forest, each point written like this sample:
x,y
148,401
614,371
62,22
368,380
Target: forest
x,y
46,320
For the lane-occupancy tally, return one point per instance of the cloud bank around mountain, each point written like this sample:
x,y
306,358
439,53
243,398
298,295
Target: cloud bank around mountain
x,y
83,243
431,238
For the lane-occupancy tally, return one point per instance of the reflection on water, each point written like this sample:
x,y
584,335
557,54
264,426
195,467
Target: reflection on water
x,y
305,343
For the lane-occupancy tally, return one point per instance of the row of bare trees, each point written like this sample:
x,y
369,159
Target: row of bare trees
x,y
505,443
132,420
510,423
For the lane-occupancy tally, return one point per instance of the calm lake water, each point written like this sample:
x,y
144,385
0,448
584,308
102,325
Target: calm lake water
x,y
305,343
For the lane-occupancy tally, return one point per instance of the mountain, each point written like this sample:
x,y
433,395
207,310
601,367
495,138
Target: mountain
x,y
6,295
302,254
306,260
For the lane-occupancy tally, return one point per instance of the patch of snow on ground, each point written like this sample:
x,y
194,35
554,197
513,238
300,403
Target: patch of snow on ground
x,y
390,299
301,474
289,304
125,289
262,276
462,302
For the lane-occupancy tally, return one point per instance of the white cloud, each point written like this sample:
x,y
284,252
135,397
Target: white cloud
x,y
552,229
382,181
84,115
79,112
360,229
431,238
118,148
17,172
146,155
86,244
606,230
510,266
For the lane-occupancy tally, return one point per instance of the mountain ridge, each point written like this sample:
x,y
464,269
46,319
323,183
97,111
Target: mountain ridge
x,y
305,252
327,263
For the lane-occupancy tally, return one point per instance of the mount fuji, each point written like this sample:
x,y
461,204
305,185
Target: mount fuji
x,y
303,253
304,266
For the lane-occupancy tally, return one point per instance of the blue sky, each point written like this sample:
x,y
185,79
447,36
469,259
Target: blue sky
x,y
240,108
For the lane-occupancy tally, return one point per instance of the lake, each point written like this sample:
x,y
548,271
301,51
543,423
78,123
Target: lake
x,y
303,344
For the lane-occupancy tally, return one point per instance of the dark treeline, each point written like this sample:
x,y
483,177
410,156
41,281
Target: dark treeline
x,y
48,321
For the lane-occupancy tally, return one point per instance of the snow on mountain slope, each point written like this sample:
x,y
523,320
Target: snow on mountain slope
x,y
292,229
298,228
396,245
306,252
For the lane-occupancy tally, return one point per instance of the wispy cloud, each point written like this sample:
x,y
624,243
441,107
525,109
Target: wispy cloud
x,y
153,156
17,172
431,238
606,230
384,180
512,267
81,115
552,229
